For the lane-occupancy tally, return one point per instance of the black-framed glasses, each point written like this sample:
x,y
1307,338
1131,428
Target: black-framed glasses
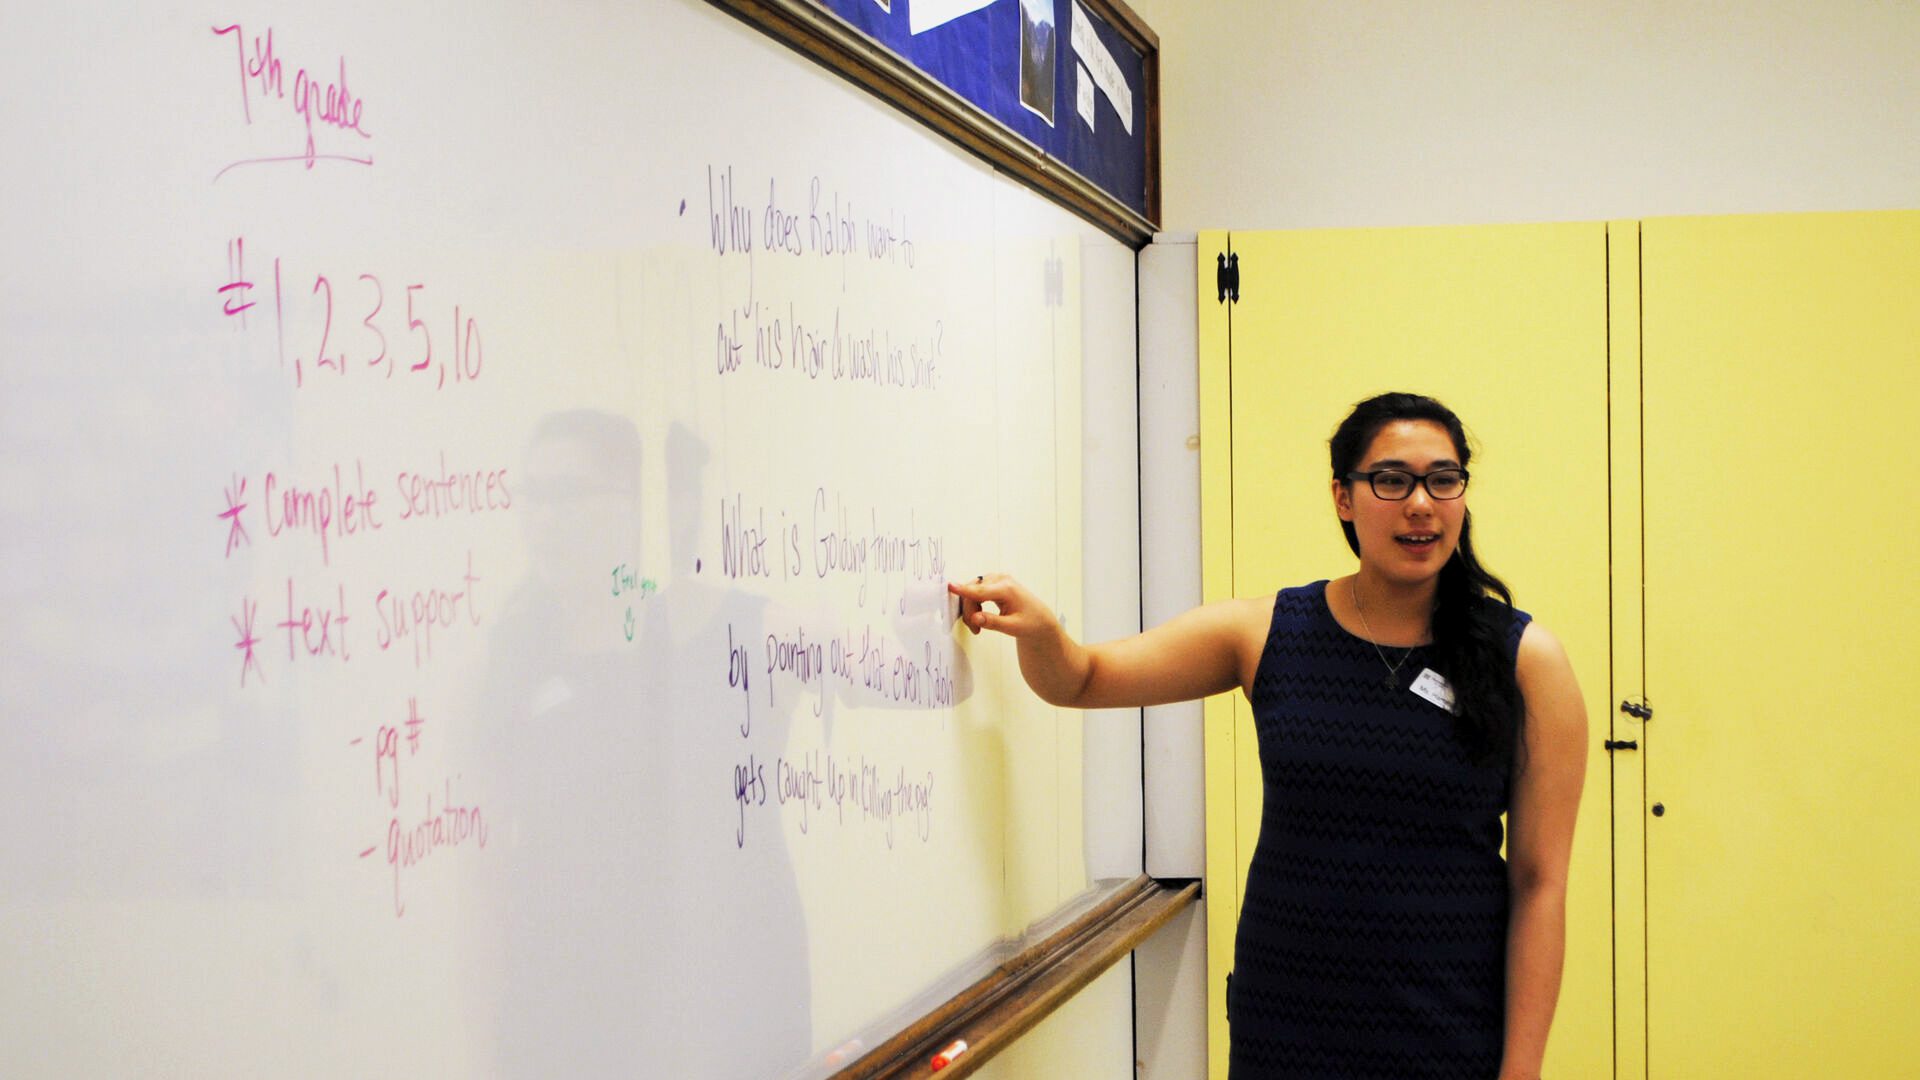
x,y
1396,484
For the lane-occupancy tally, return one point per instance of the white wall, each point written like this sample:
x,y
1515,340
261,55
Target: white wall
x,y
1170,969
1110,512
1289,114
1174,767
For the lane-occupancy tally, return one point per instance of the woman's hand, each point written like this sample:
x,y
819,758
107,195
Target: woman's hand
x,y
1055,666
1208,650
1017,612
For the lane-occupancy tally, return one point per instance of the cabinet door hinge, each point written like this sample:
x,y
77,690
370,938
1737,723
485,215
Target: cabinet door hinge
x,y
1228,277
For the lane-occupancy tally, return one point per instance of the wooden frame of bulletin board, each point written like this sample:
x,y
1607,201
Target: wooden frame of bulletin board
x,y
1131,216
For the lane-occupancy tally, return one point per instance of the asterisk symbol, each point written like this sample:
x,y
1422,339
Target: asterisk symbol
x,y
244,627
236,530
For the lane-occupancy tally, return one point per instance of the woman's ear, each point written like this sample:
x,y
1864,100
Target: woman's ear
x,y
1343,500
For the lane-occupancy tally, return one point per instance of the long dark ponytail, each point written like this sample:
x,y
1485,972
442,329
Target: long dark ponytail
x,y
1473,610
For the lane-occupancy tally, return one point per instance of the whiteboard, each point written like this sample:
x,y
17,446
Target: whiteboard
x,y
475,493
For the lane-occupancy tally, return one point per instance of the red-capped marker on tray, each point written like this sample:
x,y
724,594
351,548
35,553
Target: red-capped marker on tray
x,y
945,1057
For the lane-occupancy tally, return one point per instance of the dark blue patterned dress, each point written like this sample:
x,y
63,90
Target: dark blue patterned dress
x,y
1372,940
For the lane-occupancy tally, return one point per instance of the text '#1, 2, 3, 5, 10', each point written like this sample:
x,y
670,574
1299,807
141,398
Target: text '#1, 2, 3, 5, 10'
x,y
382,331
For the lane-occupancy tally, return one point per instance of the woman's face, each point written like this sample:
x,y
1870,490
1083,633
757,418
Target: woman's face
x,y
1410,539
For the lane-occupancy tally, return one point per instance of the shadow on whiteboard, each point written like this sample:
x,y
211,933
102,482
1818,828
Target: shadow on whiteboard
x,y
645,925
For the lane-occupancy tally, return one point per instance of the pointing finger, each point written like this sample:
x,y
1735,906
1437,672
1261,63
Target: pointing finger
x,y
997,587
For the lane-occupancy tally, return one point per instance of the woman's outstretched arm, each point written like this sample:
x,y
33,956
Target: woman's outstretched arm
x,y
1205,651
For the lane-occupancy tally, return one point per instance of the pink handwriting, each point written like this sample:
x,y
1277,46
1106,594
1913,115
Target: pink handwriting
x,y
243,626
238,284
330,511
409,845
236,529
386,748
419,614
328,103
406,332
386,752
334,511
316,625
314,628
443,491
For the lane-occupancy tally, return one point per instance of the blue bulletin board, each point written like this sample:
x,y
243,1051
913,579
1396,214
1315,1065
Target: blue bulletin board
x,y
1061,93
1056,72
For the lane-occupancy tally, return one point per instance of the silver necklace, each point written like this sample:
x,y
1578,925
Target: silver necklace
x,y
1393,670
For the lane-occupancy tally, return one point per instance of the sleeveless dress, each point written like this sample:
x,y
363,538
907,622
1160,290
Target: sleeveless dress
x,y
1372,939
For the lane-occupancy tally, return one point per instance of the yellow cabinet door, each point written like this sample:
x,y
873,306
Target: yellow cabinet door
x,y
1781,379
1508,326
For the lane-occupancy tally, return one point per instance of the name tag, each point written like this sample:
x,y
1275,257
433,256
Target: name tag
x,y
1435,688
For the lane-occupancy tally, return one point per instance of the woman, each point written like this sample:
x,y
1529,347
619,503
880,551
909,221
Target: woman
x,y
1401,709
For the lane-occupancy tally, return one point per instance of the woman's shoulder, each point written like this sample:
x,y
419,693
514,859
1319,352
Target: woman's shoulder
x,y
1256,619
1256,616
1547,681
1294,608
1536,650
1291,602
1301,597
1308,599
1509,623
1535,645
1312,591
